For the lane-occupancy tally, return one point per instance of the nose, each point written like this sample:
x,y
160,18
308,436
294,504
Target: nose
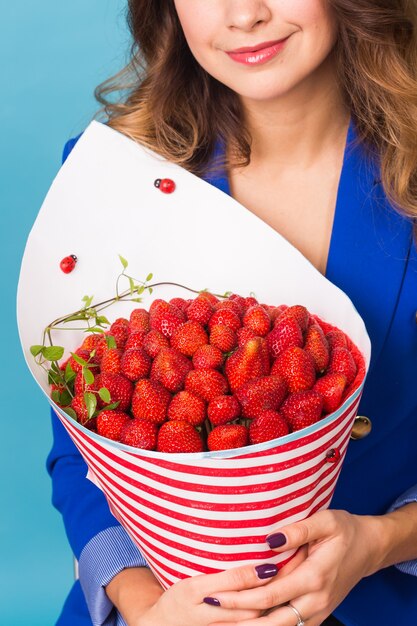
x,y
247,14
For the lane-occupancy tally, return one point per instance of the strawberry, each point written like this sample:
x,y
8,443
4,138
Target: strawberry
x,y
180,303
331,387
140,434
170,368
139,321
210,297
119,330
243,336
297,312
223,338
95,343
135,364
166,317
110,361
188,337
206,383
250,301
80,386
227,317
186,406
246,363
135,339
200,310
336,339
120,388
285,334
208,357
240,301
302,409
178,436
232,305
269,425
110,424
150,401
316,344
154,342
223,409
83,354
342,361
258,320
228,436
297,368
261,394
79,406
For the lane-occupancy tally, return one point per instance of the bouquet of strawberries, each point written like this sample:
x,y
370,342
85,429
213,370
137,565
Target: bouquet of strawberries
x,y
208,373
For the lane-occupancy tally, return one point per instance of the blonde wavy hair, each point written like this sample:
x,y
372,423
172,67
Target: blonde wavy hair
x,y
167,102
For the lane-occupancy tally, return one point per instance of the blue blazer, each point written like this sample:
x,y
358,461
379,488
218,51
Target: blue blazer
x,y
373,259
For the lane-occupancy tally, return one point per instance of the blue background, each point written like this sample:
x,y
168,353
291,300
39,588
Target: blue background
x,y
53,54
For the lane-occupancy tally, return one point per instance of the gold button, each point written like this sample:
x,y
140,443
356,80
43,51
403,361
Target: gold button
x,y
362,426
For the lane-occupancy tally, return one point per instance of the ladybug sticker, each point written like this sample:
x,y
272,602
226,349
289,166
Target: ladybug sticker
x,y
68,263
166,185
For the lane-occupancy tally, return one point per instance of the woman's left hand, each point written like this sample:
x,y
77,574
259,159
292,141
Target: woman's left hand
x,y
339,550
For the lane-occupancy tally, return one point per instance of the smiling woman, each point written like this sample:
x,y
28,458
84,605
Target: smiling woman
x,y
304,111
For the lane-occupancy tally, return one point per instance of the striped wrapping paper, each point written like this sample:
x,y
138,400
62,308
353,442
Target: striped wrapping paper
x,y
201,513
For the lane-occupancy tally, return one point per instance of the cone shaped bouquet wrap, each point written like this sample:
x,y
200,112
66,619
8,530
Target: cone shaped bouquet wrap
x,y
199,512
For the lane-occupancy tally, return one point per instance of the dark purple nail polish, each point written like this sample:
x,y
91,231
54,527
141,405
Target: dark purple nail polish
x,y
212,601
276,540
266,571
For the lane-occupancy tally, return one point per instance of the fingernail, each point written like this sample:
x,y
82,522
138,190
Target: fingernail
x,y
212,601
266,571
276,540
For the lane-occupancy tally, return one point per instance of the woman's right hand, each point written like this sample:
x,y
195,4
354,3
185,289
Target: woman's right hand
x,y
142,602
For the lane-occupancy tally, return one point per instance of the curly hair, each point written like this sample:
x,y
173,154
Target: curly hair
x,y
167,102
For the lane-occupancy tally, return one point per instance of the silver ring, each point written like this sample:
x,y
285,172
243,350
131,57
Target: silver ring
x,y
300,621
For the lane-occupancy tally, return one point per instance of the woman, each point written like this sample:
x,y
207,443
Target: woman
x,y
312,107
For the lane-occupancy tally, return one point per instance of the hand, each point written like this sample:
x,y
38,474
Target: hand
x,y
340,549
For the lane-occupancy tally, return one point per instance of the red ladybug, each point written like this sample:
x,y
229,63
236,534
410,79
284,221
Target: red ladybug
x,y
166,185
68,263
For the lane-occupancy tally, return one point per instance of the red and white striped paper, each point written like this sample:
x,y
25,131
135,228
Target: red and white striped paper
x,y
198,514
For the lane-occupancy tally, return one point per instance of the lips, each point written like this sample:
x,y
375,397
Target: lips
x,y
257,47
259,53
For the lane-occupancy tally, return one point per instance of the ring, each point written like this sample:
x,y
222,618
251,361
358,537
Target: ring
x,y
300,621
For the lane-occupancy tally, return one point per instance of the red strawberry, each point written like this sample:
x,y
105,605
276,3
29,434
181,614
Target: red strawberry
x,y
206,383
140,434
316,344
178,436
240,301
110,361
188,337
110,424
302,409
223,338
150,401
80,386
227,317
210,297
250,301
228,436
342,361
96,343
154,342
258,320
230,304
170,368
200,310
331,388
297,368
80,408
139,321
336,339
135,364
297,312
135,340
188,407
269,425
286,334
246,363
120,331
180,303
120,388
223,409
261,394
244,335
166,317
208,357
83,354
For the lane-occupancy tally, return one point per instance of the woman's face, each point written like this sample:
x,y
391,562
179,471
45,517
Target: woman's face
x,y
283,41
